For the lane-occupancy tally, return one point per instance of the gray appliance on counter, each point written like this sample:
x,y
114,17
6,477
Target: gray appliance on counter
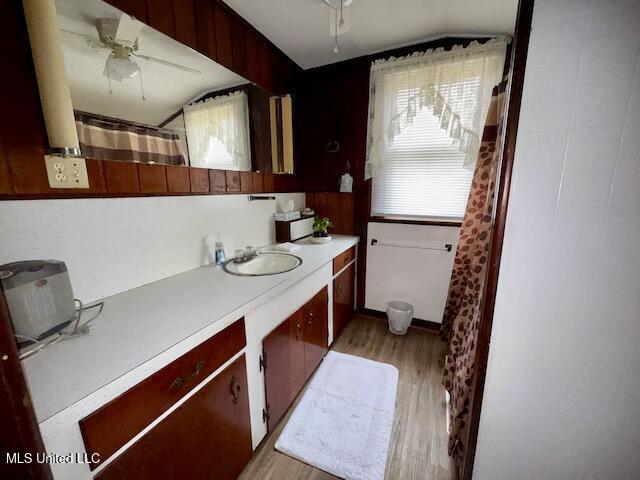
x,y
39,297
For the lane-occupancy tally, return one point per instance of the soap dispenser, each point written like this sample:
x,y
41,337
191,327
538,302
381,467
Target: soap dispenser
x,y
219,254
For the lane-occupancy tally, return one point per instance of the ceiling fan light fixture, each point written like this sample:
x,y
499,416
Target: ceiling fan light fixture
x,y
118,68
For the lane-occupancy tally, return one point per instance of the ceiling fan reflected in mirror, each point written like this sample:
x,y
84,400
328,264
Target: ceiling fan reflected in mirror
x,y
339,19
121,36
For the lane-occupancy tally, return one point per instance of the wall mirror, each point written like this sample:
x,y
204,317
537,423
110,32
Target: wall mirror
x,y
141,96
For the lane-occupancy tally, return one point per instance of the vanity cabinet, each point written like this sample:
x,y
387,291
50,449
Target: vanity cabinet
x,y
111,426
292,352
343,299
208,436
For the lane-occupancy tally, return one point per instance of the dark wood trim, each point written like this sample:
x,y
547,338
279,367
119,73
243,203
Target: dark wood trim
x,y
415,323
436,223
110,179
518,63
18,424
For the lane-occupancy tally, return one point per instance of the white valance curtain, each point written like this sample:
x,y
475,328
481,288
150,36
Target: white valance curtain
x,y
218,132
455,84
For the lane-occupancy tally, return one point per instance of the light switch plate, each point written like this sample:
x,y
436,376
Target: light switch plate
x,y
66,172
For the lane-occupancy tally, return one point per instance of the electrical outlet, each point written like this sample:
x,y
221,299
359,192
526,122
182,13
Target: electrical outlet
x,y
66,172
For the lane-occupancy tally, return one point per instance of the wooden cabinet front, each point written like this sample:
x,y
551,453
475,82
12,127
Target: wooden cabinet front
x,y
292,352
343,259
208,436
343,299
284,374
315,331
114,424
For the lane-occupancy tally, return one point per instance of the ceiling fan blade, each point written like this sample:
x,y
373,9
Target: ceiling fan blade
x,y
167,63
88,37
128,29
93,42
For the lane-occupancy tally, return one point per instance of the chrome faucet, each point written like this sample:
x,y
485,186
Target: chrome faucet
x,y
245,255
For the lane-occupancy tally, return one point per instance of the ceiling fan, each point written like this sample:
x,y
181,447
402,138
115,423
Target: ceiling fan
x,y
339,19
120,35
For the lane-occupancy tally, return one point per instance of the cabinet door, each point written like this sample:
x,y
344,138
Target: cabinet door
x,y
343,299
208,436
315,331
284,374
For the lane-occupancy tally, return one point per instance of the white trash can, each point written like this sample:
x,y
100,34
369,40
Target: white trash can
x,y
400,315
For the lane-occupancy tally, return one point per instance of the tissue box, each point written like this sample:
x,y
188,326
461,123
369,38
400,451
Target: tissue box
x,y
287,216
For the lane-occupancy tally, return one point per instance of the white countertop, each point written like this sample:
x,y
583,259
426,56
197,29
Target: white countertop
x,y
139,324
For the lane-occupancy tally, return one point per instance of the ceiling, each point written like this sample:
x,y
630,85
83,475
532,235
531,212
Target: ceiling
x,y
300,28
166,89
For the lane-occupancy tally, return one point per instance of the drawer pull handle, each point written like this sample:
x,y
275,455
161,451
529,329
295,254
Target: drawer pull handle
x,y
179,382
298,331
235,389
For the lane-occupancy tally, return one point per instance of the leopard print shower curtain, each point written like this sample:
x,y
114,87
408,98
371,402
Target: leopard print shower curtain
x,y
463,309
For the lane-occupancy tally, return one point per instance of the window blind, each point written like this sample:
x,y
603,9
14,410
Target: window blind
x,y
423,174
218,132
217,154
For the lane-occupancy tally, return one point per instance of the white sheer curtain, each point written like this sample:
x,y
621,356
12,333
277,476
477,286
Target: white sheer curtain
x,y
218,132
454,84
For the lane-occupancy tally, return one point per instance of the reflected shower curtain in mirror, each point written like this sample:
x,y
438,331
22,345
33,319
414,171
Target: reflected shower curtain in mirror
x,y
218,132
106,138
463,309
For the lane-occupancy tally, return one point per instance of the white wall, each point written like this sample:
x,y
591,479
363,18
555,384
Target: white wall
x,y
420,277
562,398
114,244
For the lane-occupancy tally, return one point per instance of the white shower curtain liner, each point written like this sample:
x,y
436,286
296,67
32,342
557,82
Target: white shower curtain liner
x,y
456,84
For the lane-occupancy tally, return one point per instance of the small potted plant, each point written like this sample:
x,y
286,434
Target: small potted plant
x,y
320,229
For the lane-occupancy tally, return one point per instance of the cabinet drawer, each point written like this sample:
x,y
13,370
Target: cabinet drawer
x,y
114,424
343,259
207,437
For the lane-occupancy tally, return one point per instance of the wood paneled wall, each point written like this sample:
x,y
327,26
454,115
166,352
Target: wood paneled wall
x,y
335,205
214,29
208,26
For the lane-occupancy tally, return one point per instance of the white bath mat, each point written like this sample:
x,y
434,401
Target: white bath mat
x,y
343,422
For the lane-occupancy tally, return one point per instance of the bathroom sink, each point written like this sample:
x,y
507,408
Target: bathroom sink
x,y
264,264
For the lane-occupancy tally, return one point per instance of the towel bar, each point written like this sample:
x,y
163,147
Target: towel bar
x,y
261,197
375,243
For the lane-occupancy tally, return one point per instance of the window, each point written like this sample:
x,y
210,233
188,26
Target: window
x,y
426,117
424,175
218,132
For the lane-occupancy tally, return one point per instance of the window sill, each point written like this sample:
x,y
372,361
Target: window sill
x,y
438,223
